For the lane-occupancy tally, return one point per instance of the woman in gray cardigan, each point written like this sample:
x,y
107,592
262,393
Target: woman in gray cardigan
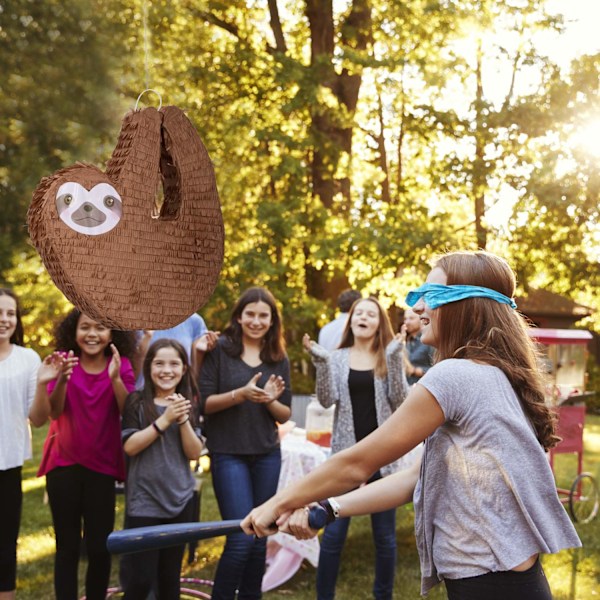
x,y
365,380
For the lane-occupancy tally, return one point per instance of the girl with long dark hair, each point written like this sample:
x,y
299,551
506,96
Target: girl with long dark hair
x,y
245,384
161,436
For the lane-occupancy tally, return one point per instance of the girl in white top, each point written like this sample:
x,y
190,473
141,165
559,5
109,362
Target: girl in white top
x,y
485,499
18,375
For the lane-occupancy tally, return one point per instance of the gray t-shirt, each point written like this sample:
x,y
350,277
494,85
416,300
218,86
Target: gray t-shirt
x,y
486,499
159,479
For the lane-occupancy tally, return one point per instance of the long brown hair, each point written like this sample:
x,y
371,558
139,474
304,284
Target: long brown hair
x,y
486,331
383,335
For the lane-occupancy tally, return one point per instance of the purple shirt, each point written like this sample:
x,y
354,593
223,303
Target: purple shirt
x,y
88,432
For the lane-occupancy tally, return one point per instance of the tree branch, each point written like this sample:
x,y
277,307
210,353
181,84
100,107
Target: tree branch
x,y
280,44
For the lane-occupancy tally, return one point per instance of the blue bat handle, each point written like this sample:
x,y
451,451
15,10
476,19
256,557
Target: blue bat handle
x,y
317,517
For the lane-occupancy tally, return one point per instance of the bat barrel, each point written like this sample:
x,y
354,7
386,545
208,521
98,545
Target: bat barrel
x,y
139,539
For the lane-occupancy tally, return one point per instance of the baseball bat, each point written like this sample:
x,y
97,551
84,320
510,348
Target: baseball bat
x,y
139,539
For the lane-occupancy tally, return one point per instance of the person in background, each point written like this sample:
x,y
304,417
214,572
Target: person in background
x,y
160,436
83,456
365,380
18,376
485,498
331,334
419,355
246,389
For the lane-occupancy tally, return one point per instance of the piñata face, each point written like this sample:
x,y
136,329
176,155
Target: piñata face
x,y
111,250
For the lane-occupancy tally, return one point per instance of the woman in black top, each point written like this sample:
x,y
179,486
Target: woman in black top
x,y
365,379
245,381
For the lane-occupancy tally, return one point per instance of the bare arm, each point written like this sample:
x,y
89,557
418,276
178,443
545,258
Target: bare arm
x,y
417,418
59,393
142,349
205,343
192,444
114,372
383,494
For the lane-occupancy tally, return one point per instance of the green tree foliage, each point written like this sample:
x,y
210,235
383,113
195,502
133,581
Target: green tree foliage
x,y
57,98
351,140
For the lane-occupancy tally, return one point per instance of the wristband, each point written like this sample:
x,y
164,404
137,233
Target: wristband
x,y
335,507
157,428
332,508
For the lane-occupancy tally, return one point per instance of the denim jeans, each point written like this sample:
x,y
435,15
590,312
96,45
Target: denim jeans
x,y
383,525
242,482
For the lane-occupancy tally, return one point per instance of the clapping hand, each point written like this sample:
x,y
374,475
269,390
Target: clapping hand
x,y
252,392
57,365
114,367
275,386
307,342
207,341
178,409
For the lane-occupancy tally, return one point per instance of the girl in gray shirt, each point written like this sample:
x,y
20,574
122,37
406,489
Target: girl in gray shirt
x,y
160,436
485,500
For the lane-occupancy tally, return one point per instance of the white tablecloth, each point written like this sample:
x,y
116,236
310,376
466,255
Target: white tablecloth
x,y
284,552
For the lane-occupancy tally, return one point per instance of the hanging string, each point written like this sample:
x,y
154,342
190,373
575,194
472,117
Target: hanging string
x,y
154,92
147,56
146,35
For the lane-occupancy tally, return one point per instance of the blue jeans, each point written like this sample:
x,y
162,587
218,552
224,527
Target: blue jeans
x,y
242,482
383,525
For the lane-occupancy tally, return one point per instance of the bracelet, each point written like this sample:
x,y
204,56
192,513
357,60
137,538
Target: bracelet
x,y
233,396
335,507
332,508
157,428
180,424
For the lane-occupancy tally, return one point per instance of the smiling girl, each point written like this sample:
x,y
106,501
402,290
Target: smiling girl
x,y
18,374
82,455
365,380
245,382
161,437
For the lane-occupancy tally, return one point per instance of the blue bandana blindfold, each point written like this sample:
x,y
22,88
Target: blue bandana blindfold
x,y
436,294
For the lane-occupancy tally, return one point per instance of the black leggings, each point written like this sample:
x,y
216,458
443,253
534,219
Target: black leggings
x,y
516,585
11,500
159,569
78,494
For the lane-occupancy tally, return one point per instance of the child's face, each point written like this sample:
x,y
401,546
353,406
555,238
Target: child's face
x,y
92,337
166,370
8,317
365,319
430,318
255,320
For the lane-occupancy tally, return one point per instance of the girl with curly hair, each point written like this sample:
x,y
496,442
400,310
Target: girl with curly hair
x,y
84,396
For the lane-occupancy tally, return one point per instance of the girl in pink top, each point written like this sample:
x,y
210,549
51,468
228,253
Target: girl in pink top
x,y
84,394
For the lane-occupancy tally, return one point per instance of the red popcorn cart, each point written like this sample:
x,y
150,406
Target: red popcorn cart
x,y
564,354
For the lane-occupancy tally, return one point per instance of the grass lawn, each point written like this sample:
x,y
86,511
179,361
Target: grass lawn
x,y
573,574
